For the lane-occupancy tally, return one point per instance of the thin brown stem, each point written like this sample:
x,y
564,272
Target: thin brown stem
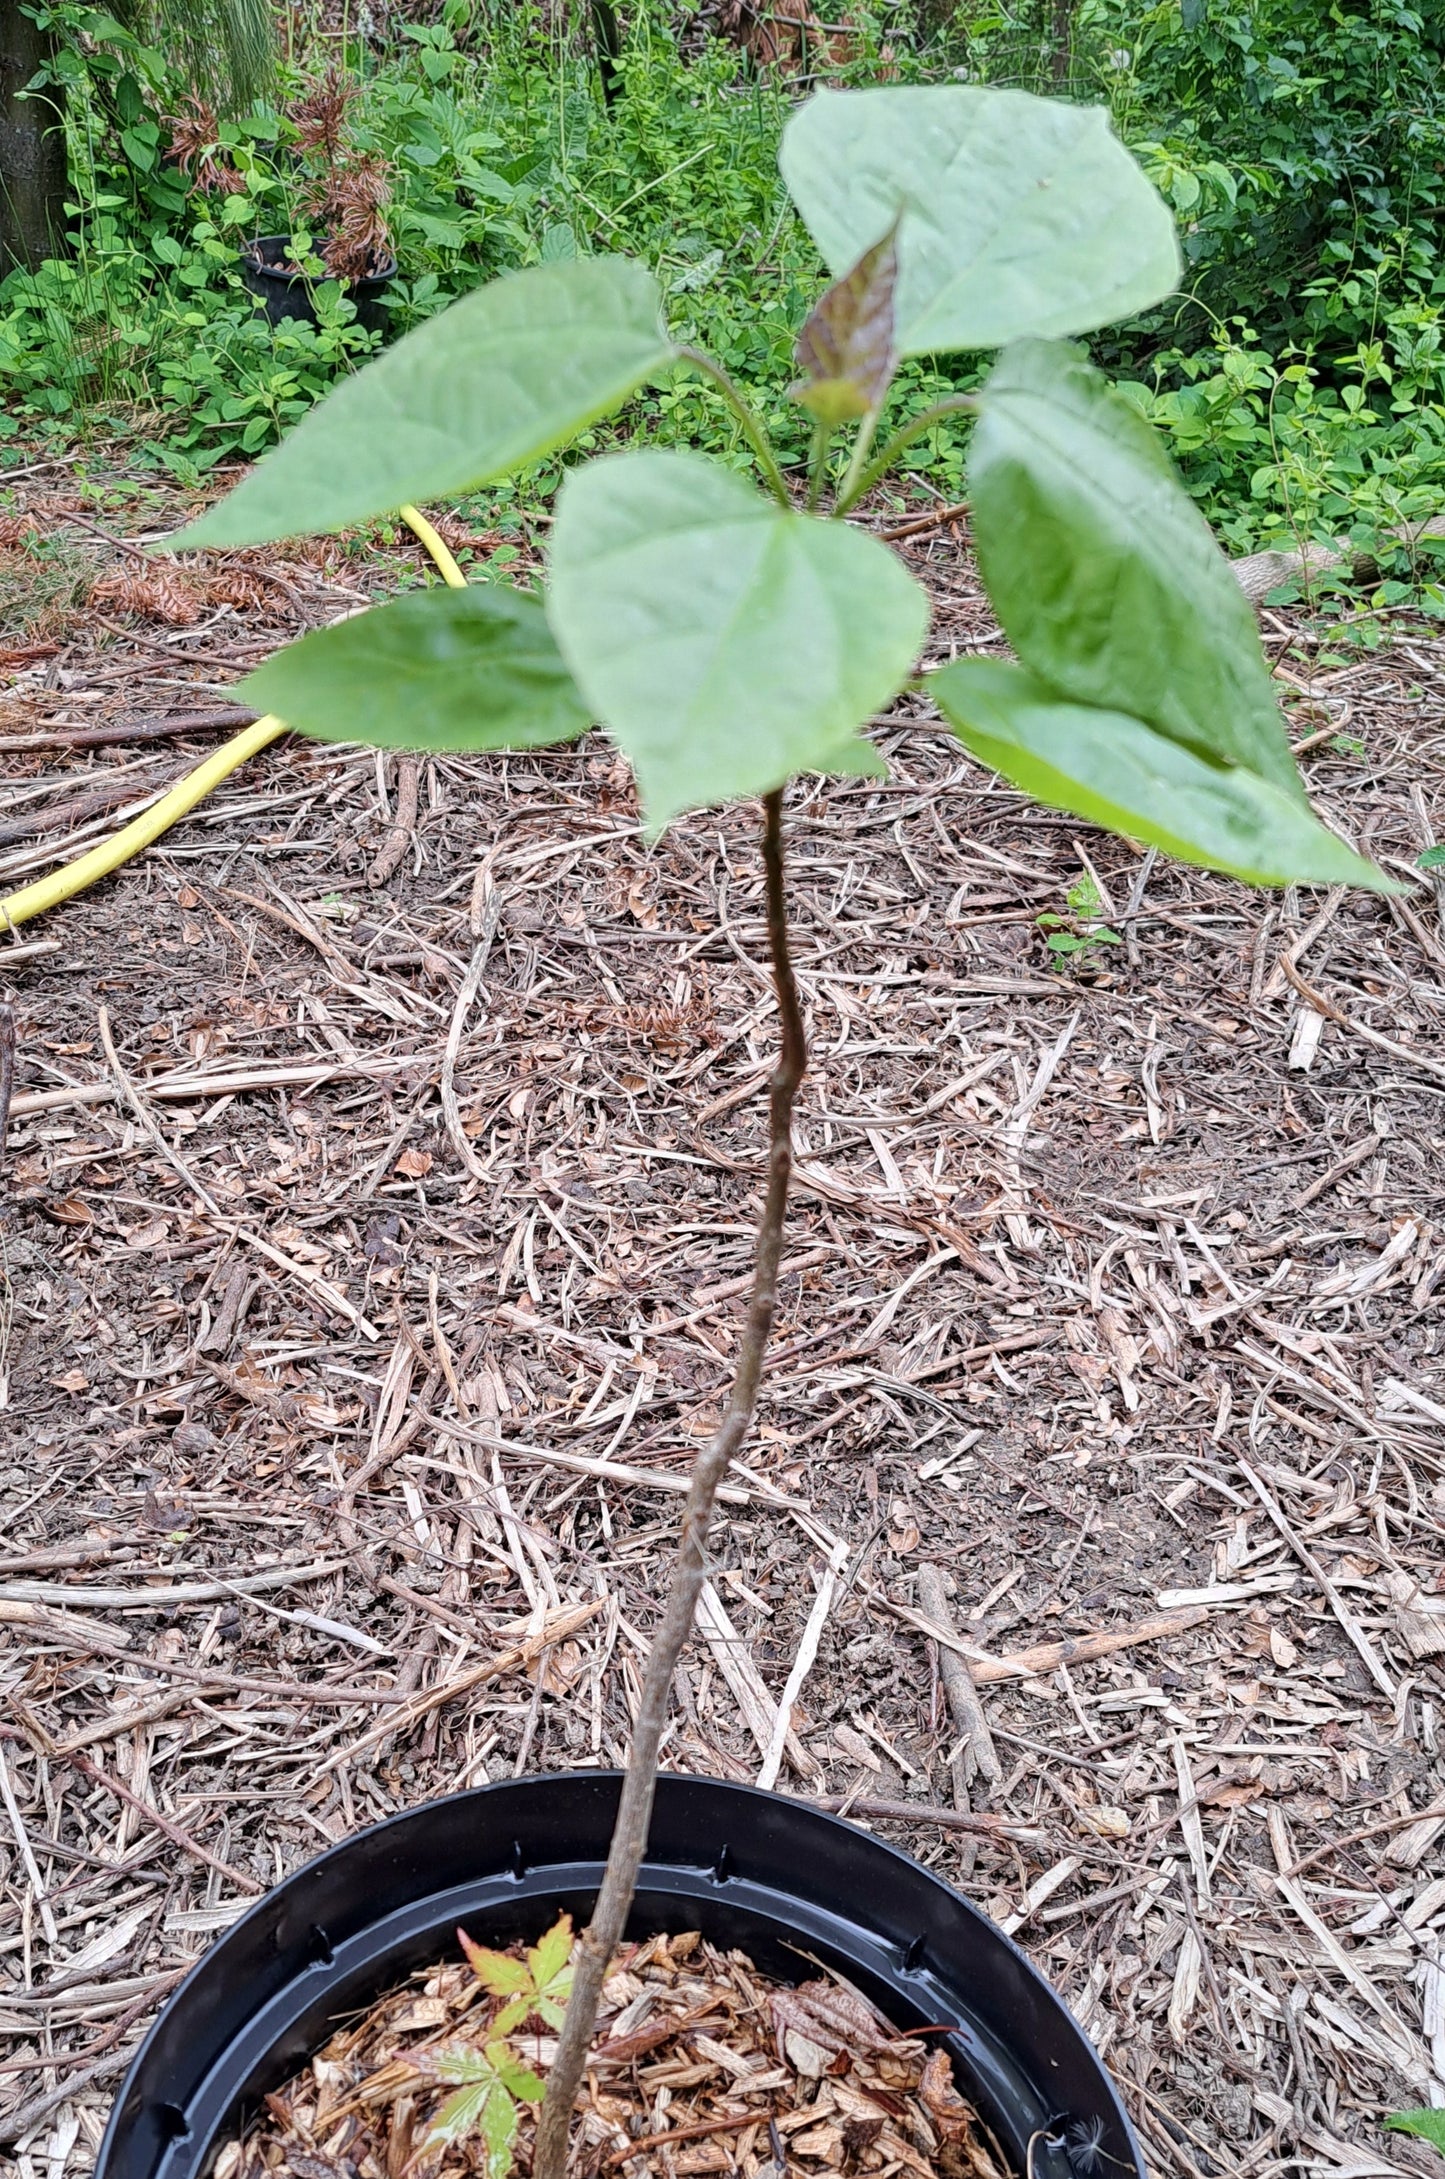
x,y
7,1069
634,1814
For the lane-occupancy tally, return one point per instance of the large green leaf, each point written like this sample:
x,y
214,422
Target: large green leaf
x,y
1019,214
434,669
1114,770
724,642
504,375
1104,574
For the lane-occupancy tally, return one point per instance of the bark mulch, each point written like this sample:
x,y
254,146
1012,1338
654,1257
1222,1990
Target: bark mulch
x,y
701,2065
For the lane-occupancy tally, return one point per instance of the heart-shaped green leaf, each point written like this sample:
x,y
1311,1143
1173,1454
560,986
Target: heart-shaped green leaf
x,y
503,376
1020,215
724,642
1114,770
434,669
1103,572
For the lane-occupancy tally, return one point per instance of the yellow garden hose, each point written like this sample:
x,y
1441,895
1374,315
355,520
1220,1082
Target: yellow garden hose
x,y
99,862
446,566
71,878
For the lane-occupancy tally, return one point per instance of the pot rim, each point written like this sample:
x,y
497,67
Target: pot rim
x,y
264,271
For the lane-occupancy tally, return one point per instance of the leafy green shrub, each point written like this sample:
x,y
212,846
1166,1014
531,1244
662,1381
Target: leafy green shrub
x,y
1302,147
1300,378
1277,451
500,154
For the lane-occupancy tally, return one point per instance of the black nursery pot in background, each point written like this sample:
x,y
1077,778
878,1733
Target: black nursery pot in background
x,y
790,1886
287,294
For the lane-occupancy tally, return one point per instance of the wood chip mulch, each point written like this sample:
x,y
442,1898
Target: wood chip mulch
x,y
701,2065
370,1262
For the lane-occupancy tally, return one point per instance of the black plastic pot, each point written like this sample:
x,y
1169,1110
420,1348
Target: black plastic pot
x,y
286,294
746,1868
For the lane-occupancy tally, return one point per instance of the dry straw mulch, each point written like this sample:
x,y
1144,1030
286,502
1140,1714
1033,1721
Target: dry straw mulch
x,y
372,1262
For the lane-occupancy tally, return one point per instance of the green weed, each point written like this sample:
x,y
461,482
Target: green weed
x,y
1428,2125
1078,935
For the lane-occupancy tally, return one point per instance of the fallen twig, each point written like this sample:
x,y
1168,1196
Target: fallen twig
x,y
920,525
7,1067
1024,1664
187,1087
948,1819
408,773
69,1595
968,1714
152,1815
100,737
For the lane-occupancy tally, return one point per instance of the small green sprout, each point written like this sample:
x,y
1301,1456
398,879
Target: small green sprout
x,y
1079,932
487,2078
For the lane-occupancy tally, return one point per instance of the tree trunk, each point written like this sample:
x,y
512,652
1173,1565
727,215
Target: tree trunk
x,y
607,40
32,147
1061,43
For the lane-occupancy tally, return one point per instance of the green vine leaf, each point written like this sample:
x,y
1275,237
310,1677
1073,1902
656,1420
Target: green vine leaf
x,y
435,669
724,642
846,346
1116,771
1019,215
502,377
1105,576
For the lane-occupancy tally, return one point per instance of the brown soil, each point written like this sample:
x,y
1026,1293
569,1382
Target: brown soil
x,y
360,1314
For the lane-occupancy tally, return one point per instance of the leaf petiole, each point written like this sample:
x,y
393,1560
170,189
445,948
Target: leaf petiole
x,y
746,415
850,487
817,463
860,480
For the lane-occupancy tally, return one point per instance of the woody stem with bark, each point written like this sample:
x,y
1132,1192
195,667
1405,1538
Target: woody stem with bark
x,y
634,1814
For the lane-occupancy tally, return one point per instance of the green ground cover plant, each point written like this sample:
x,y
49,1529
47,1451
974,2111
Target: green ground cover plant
x,y
487,2077
1298,375
730,634
1081,932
